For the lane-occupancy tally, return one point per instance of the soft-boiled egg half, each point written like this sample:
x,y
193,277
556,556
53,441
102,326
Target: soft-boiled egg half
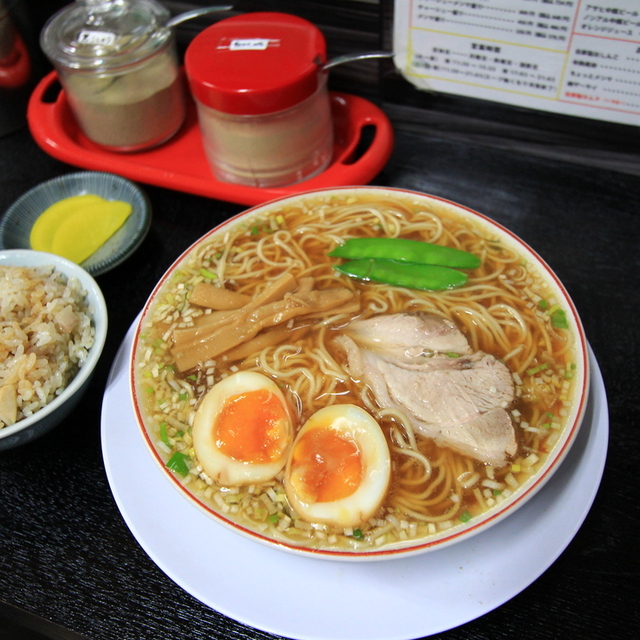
x,y
339,467
243,430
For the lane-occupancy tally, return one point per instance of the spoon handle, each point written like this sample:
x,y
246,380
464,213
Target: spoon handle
x,y
195,13
350,57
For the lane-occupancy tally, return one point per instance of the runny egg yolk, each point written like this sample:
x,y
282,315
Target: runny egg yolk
x,y
252,427
339,467
327,465
243,430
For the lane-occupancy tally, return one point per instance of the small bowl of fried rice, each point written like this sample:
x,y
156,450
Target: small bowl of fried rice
x,y
53,327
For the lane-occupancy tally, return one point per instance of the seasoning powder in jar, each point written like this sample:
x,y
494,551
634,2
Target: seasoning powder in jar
x,y
117,62
262,99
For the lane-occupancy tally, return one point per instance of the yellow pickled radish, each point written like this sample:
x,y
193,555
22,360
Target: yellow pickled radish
x,y
45,227
84,231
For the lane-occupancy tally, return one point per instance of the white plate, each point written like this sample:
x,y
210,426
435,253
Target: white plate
x,y
314,599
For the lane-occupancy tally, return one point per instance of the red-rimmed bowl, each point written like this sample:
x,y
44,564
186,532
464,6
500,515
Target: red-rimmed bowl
x,y
546,316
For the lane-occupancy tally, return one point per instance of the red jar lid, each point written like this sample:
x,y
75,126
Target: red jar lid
x,y
255,63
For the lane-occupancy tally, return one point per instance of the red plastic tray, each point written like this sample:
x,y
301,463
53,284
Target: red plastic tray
x,y
181,163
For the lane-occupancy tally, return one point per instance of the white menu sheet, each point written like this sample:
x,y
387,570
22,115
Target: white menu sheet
x,y
575,57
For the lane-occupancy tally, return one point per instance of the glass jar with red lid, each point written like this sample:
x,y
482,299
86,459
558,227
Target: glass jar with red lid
x,y
262,99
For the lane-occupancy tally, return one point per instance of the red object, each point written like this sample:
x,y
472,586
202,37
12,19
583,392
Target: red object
x,y
15,69
181,163
255,63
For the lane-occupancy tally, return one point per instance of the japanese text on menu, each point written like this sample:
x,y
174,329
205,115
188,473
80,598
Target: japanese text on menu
x,y
577,57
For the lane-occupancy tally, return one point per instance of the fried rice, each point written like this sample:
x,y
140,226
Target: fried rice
x,y
46,333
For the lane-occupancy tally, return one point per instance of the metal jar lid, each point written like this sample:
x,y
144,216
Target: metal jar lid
x,y
256,63
105,34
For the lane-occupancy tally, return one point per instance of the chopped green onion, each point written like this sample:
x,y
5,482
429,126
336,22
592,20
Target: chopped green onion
x,y
357,534
255,230
452,354
178,463
208,274
497,492
559,319
540,367
465,516
163,434
273,518
183,396
543,304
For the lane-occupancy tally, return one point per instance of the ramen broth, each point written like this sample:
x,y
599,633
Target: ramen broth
x,y
506,309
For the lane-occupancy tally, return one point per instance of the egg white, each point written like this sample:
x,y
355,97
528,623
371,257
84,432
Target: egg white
x,y
353,423
219,467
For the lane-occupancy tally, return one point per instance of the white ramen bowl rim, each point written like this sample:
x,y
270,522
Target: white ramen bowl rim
x,y
444,538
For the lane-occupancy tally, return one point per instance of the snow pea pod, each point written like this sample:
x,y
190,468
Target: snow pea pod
x,y
403,274
406,251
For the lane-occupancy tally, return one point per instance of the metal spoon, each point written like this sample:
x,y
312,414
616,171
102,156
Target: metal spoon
x,y
350,57
195,13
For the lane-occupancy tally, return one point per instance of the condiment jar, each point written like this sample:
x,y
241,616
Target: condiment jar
x,y
117,63
262,99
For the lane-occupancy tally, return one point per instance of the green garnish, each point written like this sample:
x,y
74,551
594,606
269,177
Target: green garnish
x,y
543,304
404,274
405,263
414,251
210,275
163,434
178,463
559,319
540,367
357,534
465,516
273,518
255,230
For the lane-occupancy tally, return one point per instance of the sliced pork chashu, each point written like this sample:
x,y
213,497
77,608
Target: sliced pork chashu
x,y
408,336
459,401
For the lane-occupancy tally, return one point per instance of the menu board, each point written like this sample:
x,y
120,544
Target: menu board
x,y
575,57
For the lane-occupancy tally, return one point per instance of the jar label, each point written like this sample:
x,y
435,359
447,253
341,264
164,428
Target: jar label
x,y
104,38
251,44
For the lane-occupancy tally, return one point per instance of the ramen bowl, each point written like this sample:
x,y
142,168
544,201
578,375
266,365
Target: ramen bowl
x,y
343,400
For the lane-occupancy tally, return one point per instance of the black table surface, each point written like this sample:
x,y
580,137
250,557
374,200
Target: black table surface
x,y
69,565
